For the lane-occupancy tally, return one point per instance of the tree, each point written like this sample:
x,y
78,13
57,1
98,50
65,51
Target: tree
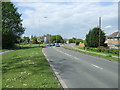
x,y
92,38
26,40
11,25
73,40
57,38
78,41
35,40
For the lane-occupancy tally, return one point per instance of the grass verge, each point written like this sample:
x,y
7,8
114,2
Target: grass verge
x,y
109,57
80,47
27,68
29,45
4,50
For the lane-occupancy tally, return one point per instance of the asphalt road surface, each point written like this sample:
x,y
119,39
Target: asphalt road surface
x,y
79,70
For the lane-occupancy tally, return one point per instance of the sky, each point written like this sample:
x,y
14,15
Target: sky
x,y
68,19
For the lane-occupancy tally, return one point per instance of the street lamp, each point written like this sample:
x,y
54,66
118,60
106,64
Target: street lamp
x,y
99,31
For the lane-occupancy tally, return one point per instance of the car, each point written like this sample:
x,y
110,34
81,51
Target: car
x,y
52,44
48,45
57,45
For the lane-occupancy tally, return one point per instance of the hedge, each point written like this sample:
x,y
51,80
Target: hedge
x,y
112,51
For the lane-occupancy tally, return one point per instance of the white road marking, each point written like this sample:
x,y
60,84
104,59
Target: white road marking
x,y
76,58
63,52
66,54
96,66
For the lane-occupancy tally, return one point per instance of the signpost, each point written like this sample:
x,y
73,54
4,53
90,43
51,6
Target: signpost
x,y
45,39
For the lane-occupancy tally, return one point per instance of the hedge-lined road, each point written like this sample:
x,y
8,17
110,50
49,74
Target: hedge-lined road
x,y
78,70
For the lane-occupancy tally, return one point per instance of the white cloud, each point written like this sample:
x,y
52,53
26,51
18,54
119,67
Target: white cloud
x,y
63,0
109,26
70,19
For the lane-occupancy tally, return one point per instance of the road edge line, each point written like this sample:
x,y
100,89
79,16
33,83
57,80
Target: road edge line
x,y
56,73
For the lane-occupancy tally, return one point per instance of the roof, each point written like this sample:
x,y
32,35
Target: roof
x,y
119,34
115,34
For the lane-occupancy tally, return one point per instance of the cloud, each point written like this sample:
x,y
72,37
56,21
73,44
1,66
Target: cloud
x,y
67,19
109,26
63,0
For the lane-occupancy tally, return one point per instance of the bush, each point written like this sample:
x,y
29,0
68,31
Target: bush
x,y
77,43
112,51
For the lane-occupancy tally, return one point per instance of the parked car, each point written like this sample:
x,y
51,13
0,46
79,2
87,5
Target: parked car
x,y
52,44
57,45
48,45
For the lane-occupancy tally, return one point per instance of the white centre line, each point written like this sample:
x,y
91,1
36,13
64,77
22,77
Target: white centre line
x,y
96,66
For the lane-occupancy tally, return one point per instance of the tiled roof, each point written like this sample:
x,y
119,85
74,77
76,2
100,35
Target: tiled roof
x,y
115,34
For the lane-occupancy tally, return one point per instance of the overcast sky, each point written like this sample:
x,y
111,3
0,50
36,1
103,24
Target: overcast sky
x,y
69,19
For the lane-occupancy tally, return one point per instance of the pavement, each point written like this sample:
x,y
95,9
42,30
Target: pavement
x,y
5,52
73,46
77,70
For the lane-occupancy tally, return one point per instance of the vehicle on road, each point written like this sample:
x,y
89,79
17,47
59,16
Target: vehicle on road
x,y
57,45
52,44
48,45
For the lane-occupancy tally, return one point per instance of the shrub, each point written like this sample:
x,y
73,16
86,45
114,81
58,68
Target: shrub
x,y
112,51
77,43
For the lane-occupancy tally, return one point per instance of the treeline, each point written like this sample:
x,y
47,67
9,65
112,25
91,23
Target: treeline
x,y
49,39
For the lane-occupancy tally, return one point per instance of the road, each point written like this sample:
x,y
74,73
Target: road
x,y
79,70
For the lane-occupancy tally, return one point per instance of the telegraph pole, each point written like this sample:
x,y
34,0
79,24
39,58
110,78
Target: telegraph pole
x,y
99,31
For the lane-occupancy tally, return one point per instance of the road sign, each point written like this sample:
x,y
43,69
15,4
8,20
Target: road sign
x,y
45,39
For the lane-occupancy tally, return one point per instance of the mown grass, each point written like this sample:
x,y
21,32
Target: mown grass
x,y
29,45
3,50
109,57
27,68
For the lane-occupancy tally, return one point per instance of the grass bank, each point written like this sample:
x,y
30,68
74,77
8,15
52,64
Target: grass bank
x,y
109,57
3,50
27,68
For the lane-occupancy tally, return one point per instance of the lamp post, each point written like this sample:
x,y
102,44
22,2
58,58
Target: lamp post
x,y
99,31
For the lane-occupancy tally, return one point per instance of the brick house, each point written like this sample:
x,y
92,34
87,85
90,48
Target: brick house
x,y
113,40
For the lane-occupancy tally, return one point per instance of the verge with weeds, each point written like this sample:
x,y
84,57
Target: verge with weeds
x,y
27,68
109,57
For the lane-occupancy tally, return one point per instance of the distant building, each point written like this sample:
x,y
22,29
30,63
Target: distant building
x,y
30,37
113,40
81,44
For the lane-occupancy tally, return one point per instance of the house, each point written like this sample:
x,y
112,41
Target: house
x,y
81,44
113,40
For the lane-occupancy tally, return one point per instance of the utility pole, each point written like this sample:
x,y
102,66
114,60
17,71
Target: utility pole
x,y
99,31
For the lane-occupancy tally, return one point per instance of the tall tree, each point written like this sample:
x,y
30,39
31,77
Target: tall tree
x,y
26,40
57,38
92,38
35,40
11,25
